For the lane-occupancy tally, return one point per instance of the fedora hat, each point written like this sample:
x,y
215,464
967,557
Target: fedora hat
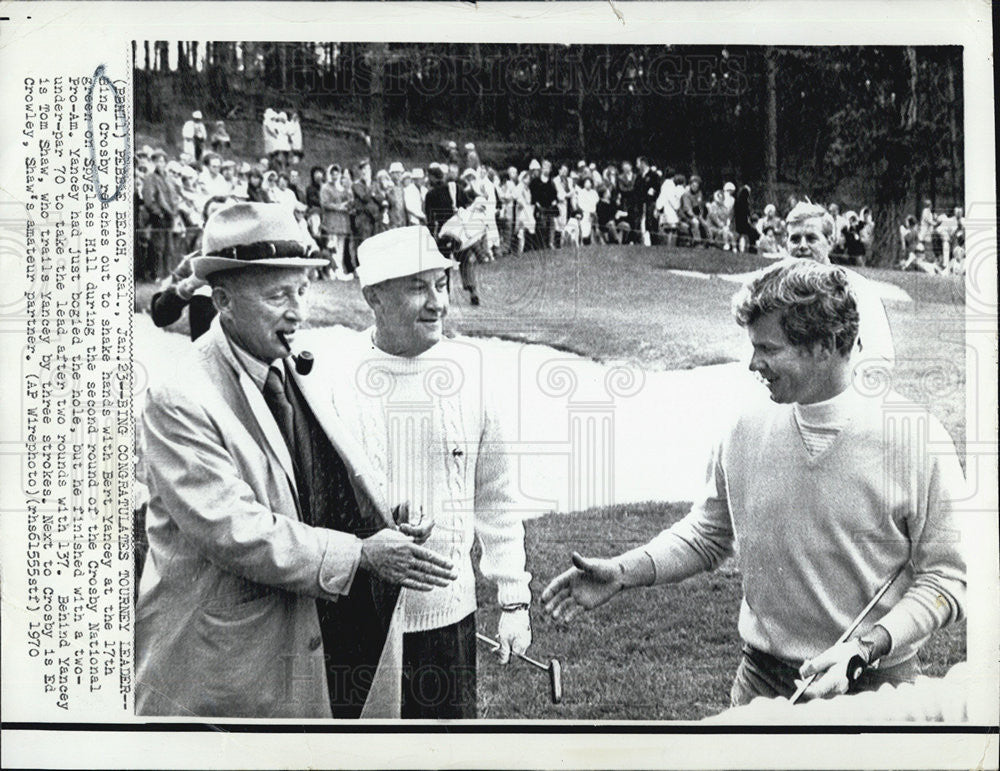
x,y
244,234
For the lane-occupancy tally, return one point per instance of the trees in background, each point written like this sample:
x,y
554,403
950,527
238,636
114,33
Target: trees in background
x,y
877,125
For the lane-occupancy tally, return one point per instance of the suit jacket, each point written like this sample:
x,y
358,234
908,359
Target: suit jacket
x,y
226,620
438,208
158,196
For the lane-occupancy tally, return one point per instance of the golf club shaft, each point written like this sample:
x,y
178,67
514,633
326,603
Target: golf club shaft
x,y
850,630
521,656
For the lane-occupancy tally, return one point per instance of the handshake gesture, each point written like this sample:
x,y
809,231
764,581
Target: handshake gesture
x,y
397,555
589,583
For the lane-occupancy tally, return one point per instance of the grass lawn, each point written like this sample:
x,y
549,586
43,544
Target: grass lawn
x,y
666,653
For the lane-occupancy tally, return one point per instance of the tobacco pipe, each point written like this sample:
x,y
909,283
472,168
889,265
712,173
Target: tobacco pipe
x,y
303,361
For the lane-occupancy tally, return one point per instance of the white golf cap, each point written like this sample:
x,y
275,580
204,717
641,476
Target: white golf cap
x,y
729,186
470,146
196,115
417,173
397,253
534,164
396,167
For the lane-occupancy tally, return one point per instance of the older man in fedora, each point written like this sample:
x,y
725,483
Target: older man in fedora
x,y
422,410
270,589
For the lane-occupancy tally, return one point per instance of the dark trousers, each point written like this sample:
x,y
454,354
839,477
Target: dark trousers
x,y
161,244
439,672
760,674
467,268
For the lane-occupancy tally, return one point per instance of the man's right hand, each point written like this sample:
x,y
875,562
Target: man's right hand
x,y
395,557
186,287
591,582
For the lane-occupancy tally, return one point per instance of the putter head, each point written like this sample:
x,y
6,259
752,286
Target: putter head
x,y
555,681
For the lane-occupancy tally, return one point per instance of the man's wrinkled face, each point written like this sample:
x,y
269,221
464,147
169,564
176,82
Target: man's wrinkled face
x,y
410,311
792,373
256,309
806,240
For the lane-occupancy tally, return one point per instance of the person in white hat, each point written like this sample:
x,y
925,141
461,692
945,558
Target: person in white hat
x,y
452,471
274,567
194,135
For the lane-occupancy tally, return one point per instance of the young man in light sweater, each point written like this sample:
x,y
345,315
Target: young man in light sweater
x,y
421,409
822,494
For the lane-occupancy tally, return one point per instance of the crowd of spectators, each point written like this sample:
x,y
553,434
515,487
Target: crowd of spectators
x,y
935,243
544,206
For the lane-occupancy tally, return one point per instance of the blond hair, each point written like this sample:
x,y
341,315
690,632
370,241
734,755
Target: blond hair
x,y
807,211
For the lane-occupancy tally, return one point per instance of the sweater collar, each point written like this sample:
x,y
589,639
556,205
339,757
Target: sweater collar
x,y
834,411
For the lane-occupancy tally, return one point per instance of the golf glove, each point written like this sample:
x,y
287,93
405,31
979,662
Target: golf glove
x,y
514,633
838,668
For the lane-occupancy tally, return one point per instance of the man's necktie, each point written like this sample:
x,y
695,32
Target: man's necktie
x,y
281,408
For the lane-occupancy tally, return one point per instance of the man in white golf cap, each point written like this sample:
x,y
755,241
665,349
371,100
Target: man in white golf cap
x,y
825,495
274,567
419,405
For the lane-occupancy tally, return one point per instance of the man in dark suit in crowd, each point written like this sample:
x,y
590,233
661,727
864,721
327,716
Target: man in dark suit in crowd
x,y
650,183
543,196
438,204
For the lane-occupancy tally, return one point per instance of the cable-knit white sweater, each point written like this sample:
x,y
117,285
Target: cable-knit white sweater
x,y
430,430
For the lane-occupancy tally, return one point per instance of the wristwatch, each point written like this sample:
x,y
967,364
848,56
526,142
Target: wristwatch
x,y
514,606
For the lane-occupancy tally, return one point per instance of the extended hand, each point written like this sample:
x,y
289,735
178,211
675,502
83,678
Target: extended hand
x,y
393,556
834,666
514,633
591,582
